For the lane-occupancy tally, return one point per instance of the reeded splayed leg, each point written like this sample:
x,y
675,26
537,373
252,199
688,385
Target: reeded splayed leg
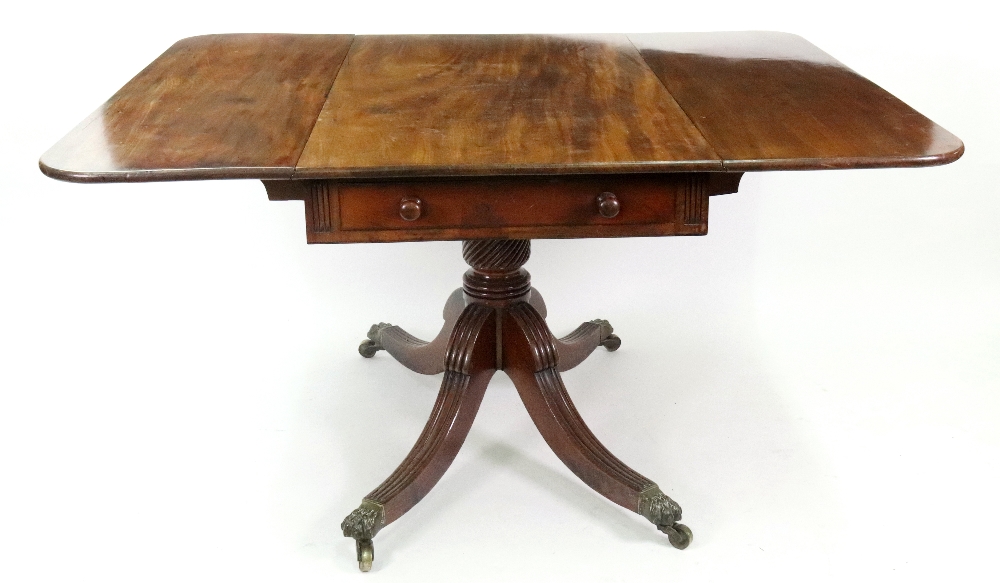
x,y
428,357
497,321
469,364
531,359
413,353
576,346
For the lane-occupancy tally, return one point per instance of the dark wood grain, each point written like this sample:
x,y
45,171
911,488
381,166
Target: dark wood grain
x,y
500,104
220,106
576,346
531,362
502,326
429,358
456,137
257,106
415,354
497,322
773,101
470,363
523,208
503,203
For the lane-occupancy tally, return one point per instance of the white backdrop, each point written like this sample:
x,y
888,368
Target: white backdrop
x,y
814,381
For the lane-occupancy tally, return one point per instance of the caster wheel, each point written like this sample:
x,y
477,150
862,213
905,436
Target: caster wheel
x,y
612,343
368,348
679,535
366,554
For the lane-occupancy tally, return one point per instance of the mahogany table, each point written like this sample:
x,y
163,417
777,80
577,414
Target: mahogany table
x,y
496,140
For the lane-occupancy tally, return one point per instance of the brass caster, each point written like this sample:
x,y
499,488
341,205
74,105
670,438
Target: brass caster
x,y
373,344
679,535
612,342
608,339
366,553
368,348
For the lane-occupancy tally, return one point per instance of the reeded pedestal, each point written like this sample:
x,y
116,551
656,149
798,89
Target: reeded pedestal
x,y
496,321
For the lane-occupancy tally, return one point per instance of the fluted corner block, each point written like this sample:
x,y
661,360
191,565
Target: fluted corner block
x,y
365,521
657,507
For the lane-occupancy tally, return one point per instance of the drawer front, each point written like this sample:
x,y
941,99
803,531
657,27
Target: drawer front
x,y
506,204
644,205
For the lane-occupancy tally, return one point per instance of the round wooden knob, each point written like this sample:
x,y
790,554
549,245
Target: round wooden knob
x,y
608,205
410,208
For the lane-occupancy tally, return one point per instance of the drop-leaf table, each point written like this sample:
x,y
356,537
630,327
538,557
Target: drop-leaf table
x,y
494,141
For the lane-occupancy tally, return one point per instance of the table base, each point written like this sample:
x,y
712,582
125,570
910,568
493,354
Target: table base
x,y
496,321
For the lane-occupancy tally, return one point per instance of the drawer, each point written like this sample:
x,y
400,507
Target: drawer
x,y
525,208
492,204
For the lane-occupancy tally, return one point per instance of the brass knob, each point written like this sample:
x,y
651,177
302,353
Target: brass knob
x,y
410,208
608,205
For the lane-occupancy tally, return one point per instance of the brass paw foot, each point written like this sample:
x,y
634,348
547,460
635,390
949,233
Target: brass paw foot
x,y
362,524
609,340
663,512
373,344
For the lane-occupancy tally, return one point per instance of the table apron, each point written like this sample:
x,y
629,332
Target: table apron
x,y
639,205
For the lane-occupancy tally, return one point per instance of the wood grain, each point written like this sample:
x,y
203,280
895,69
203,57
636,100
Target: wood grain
x,y
773,101
503,330
415,354
469,365
531,362
522,208
489,105
576,346
282,106
503,203
220,106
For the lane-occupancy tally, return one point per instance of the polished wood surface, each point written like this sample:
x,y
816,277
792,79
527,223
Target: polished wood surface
x,y
496,140
469,366
415,354
429,358
219,106
498,104
531,360
526,208
773,101
501,203
257,106
497,322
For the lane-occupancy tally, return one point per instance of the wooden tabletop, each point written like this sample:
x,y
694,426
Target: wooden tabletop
x,y
275,106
